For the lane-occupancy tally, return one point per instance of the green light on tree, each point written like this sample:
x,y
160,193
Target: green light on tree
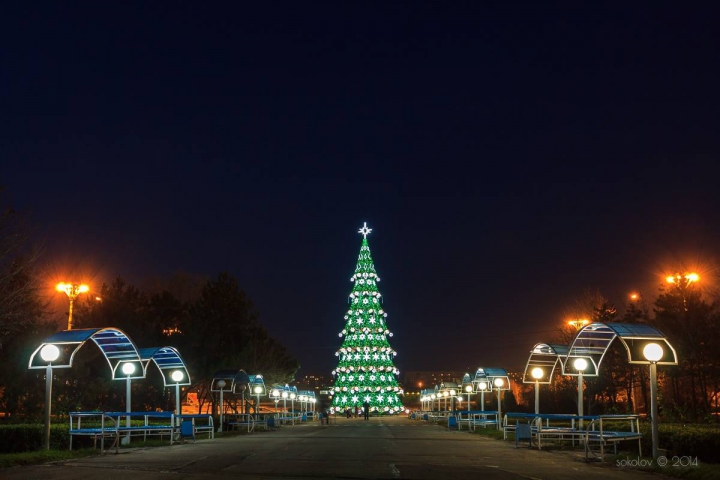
x,y
365,371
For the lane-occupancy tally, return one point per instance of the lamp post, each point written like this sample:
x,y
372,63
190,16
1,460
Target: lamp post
x,y
483,386
292,405
537,373
445,399
653,352
275,394
221,384
467,386
580,365
284,397
452,400
258,391
499,384
177,377
128,369
49,353
72,291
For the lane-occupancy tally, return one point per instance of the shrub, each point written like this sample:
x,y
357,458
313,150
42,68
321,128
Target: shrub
x,y
28,437
702,441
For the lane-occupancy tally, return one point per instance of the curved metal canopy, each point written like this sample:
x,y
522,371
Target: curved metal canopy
x,y
488,376
236,381
545,356
257,385
168,360
593,341
115,345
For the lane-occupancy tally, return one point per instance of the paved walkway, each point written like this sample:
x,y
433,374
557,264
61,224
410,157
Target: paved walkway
x,y
389,448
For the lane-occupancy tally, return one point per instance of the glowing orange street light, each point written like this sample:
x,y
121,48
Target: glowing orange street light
x,y
72,291
579,323
634,297
688,278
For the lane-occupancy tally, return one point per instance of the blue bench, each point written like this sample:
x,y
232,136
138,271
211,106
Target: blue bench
x,y
154,423
112,424
96,425
244,420
476,418
199,422
544,427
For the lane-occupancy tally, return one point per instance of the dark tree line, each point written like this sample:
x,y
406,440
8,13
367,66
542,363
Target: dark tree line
x,y
213,324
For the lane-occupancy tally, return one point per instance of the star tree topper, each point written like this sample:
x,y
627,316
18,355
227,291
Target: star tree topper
x,y
365,230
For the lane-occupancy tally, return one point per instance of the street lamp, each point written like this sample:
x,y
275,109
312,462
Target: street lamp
x,y
177,377
687,278
653,352
483,386
580,365
275,395
537,373
499,384
682,282
49,353
221,385
467,386
284,397
128,369
579,323
258,390
72,291
452,400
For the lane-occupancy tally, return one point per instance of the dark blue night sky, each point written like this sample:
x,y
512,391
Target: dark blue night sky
x,y
506,157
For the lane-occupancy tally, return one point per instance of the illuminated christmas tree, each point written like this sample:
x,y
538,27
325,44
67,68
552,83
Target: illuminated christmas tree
x,y
365,372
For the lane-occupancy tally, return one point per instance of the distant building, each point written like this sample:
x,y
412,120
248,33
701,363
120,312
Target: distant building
x,y
314,382
413,381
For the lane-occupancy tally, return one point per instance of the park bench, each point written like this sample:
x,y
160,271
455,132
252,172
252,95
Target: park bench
x,y
241,420
200,423
153,423
476,418
96,425
101,425
565,428
598,434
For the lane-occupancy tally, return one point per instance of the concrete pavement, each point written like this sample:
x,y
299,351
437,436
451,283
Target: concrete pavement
x,y
392,448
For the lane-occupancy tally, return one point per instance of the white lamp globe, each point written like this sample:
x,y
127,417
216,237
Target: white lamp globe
x,y
498,382
453,392
537,373
653,352
221,384
580,364
128,368
468,388
292,395
285,394
50,353
483,385
258,389
177,375
275,393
